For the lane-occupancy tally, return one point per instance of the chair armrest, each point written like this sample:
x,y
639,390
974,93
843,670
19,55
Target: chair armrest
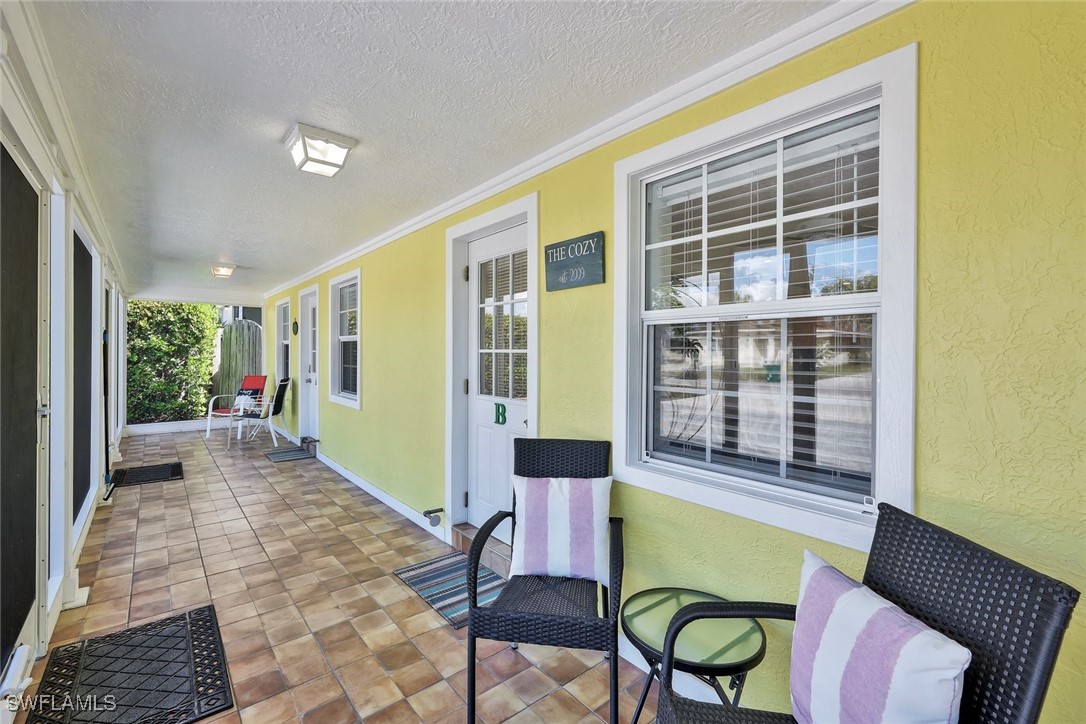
x,y
716,609
211,402
617,560
476,552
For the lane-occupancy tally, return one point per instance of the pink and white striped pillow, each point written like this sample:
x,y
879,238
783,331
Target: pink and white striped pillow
x,y
856,657
561,527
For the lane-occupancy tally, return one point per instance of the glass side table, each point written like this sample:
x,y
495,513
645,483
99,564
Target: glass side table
x,y
707,649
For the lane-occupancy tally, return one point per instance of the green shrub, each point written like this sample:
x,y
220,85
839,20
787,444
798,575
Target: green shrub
x,y
171,349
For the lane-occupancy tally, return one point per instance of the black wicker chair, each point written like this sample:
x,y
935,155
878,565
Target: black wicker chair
x,y
1010,617
547,610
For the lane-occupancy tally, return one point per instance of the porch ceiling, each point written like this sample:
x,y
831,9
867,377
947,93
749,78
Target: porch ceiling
x,y
180,110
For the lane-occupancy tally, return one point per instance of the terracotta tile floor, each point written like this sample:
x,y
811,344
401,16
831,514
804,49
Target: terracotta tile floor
x,y
298,563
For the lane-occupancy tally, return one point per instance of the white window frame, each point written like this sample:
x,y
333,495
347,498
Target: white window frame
x,y
280,342
891,78
353,401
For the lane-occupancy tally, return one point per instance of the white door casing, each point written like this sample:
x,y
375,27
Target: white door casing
x,y
308,397
498,346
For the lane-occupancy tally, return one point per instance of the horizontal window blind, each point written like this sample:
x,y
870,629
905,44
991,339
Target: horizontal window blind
x,y
783,396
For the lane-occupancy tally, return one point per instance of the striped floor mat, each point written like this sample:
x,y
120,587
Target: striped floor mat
x,y
443,583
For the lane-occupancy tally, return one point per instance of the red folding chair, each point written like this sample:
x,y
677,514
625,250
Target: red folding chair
x,y
250,394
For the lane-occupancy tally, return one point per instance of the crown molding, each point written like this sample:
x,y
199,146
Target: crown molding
x,y
834,21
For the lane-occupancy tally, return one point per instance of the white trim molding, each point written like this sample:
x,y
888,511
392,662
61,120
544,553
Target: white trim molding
x,y
838,19
355,402
891,79
524,210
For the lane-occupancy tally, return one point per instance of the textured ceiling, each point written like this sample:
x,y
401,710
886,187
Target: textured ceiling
x,y
180,110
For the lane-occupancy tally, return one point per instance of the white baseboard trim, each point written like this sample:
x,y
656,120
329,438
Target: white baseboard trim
x,y
163,428
391,501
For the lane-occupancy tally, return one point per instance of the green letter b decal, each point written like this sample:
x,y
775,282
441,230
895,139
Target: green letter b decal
x,y
499,413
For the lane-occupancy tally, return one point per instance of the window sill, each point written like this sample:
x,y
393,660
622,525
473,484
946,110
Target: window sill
x,y
834,521
351,402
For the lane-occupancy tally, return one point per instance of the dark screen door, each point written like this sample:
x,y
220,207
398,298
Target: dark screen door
x,y
84,348
18,400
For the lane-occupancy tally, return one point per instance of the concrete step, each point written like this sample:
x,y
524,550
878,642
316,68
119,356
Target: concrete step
x,y
497,556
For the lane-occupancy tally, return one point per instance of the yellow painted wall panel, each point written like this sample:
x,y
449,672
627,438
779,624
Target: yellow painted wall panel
x,y
1002,248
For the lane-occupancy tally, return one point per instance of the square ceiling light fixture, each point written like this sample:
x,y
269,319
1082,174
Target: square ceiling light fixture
x,y
223,271
317,151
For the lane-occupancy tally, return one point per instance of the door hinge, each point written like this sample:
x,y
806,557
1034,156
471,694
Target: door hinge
x,y
467,273
465,499
465,386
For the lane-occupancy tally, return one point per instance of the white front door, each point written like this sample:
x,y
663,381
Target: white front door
x,y
308,398
498,380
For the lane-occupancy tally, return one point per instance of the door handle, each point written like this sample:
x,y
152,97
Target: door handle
x,y
525,422
308,380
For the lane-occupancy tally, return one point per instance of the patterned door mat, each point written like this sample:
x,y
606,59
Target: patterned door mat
x,y
172,670
146,474
288,454
443,583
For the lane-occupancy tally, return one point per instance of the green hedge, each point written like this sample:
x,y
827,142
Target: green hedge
x,y
171,349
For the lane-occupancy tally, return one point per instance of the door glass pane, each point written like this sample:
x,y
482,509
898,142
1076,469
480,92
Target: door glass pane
x,y
486,373
502,278
313,339
520,326
501,374
486,328
486,282
520,376
520,275
501,326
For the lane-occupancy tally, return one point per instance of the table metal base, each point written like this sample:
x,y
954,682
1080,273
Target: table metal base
x,y
735,684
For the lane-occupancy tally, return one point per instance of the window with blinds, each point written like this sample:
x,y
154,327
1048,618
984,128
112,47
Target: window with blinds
x,y
760,303
283,329
345,359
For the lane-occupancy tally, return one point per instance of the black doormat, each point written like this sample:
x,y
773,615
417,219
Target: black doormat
x,y
172,670
147,474
288,454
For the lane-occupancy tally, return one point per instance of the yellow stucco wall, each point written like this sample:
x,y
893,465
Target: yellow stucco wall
x,y
1000,430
